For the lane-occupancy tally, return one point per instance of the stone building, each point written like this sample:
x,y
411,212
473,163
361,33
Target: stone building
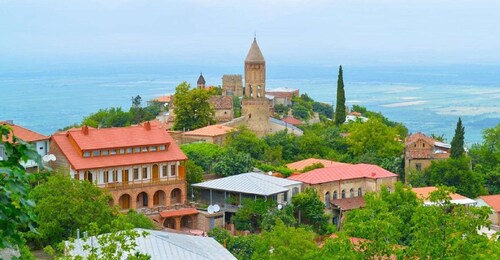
x,y
232,85
212,134
223,107
140,166
201,81
420,150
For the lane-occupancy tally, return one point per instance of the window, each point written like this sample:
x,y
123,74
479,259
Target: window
x,y
144,149
137,149
164,171
162,147
122,151
418,166
173,170
351,191
112,151
96,153
136,173
152,148
423,145
327,200
88,176
106,176
343,194
104,152
86,154
115,175
129,150
335,195
295,190
145,173
360,192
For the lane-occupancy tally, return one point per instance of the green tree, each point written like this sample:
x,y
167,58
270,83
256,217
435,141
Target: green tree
x,y
284,242
311,210
233,163
191,107
338,247
112,117
136,219
284,214
194,174
340,105
203,154
456,173
373,141
323,109
250,215
16,210
247,141
286,142
486,158
457,143
81,201
236,106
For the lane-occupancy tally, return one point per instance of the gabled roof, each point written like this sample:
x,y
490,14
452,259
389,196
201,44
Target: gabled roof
x,y
249,183
221,102
24,133
165,245
163,99
424,193
292,120
493,201
300,165
121,135
211,130
418,136
343,172
254,54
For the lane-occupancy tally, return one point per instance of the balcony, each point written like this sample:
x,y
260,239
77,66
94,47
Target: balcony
x,y
141,183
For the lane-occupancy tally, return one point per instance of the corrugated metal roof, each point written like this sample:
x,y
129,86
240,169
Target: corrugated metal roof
x,y
279,122
167,245
249,183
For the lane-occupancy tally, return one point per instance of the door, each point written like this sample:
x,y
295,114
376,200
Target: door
x,y
156,176
125,176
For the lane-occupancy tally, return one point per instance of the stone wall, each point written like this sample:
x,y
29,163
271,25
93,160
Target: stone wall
x,y
257,113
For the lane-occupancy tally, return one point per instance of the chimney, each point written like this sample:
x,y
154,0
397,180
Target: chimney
x,y
147,125
85,130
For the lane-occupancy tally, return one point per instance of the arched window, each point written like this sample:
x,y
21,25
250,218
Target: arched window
x,y
258,91
335,195
360,192
343,194
327,199
352,192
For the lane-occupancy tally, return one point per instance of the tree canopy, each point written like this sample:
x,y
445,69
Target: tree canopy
x,y
191,107
340,107
457,143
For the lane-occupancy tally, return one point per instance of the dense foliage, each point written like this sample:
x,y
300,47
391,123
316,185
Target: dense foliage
x,y
191,107
340,107
457,143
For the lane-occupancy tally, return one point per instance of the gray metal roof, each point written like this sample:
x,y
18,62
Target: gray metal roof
x,y
167,245
279,122
249,183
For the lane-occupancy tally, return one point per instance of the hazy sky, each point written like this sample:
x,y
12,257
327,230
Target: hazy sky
x,y
220,32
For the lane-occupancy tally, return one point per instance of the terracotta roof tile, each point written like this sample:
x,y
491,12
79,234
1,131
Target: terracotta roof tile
x,y
417,136
343,172
121,137
211,130
493,201
424,192
24,133
292,120
221,102
300,165
349,203
179,212
163,99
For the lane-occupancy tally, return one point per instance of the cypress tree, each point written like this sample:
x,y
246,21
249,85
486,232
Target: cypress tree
x,y
340,106
457,144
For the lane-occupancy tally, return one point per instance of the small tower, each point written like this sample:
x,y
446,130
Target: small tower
x,y
255,72
201,81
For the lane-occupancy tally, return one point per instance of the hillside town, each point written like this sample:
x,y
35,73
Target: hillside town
x,y
245,172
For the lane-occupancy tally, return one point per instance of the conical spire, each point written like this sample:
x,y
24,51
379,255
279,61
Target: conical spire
x,y
254,54
201,80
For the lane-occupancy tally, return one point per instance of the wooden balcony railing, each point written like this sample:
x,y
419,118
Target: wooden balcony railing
x,y
142,183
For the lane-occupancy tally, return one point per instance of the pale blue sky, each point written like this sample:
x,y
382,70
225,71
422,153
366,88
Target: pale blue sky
x,y
219,32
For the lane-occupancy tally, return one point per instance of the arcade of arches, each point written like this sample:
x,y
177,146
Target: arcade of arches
x,y
149,197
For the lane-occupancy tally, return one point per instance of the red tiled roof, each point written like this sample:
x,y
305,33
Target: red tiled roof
x,y
159,124
417,136
300,165
343,172
179,212
292,120
24,133
163,99
349,203
221,102
117,137
211,130
132,133
424,192
493,201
